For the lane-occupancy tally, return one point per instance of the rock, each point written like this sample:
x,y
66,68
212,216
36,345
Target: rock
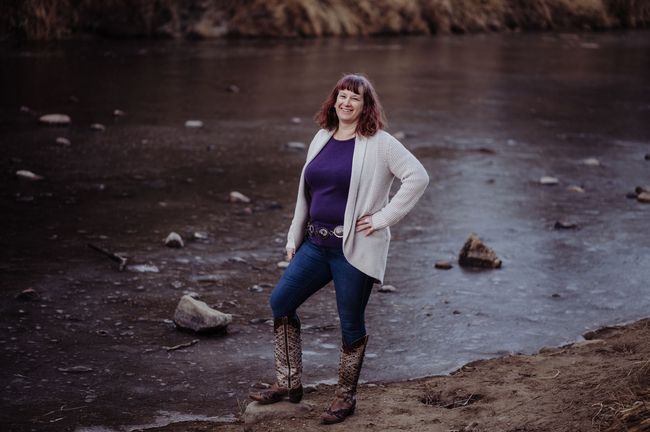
x,y
399,135
232,88
193,124
475,254
28,175
591,162
256,288
296,145
575,188
55,119
63,141
118,113
174,240
238,197
283,264
199,235
28,294
546,180
443,265
641,189
296,120
643,197
98,127
143,268
556,295
198,316
256,413
565,225
76,369
387,289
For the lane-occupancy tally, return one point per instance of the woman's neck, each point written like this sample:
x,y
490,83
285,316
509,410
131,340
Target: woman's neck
x,y
345,131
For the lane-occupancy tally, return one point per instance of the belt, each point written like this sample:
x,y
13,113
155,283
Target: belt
x,y
323,231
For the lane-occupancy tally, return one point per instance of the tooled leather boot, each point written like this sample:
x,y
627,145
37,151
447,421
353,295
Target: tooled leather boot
x,y
288,364
345,398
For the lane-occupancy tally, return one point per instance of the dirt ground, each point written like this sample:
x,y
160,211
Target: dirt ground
x,y
600,384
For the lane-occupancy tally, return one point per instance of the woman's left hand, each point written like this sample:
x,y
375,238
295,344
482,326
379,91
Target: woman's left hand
x,y
364,223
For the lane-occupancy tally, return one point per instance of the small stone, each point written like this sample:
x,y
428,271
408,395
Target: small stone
x,y
591,162
575,188
193,124
641,189
555,295
98,127
456,312
296,145
643,197
238,197
565,225
55,119
283,264
399,135
28,294
256,413
28,175
143,268
199,235
387,289
475,254
118,113
296,120
76,369
198,316
546,180
176,284
63,141
174,240
232,88
443,265
256,288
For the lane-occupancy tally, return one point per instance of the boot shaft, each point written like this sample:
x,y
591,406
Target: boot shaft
x,y
350,367
288,352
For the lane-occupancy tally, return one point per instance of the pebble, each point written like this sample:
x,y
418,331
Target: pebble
x,y
443,265
546,180
283,264
256,288
118,113
387,289
642,189
174,240
296,120
176,284
232,88
28,175
565,225
198,316
193,124
591,162
98,127
238,197
55,119
63,141
296,145
76,369
575,188
476,254
199,235
643,197
28,294
143,268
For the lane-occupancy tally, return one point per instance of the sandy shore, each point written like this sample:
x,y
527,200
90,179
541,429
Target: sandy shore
x,y
599,384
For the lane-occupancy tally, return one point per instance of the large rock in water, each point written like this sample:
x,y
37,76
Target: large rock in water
x,y
198,316
475,254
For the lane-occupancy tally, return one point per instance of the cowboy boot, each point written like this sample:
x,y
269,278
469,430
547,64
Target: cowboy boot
x,y
288,363
345,398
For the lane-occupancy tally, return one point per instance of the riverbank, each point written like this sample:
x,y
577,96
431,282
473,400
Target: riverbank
x,y
48,20
599,384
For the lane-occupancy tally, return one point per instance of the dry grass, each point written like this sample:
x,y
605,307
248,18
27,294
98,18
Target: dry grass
x,y
55,19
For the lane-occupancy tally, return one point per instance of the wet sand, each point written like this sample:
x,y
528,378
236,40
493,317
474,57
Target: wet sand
x,y
488,116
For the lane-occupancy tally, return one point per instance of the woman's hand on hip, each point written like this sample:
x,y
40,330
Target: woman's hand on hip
x,y
364,224
290,254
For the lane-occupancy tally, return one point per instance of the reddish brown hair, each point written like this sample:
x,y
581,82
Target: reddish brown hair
x,y
372,116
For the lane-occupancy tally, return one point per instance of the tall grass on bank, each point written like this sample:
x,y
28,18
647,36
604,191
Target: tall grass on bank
x,y
57,19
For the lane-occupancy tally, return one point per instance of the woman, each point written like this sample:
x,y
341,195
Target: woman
x,y
340,232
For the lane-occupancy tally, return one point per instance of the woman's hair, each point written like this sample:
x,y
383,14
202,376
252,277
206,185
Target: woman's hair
x,y
372,116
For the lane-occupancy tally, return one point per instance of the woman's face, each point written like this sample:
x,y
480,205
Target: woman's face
x,y
349,106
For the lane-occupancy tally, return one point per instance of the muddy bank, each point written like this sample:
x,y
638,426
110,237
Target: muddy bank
x,y
46,20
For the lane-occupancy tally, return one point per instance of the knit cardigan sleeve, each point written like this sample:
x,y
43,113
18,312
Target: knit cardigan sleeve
x,y
414,180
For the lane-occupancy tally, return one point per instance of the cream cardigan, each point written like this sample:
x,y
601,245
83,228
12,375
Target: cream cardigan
x,y
376,161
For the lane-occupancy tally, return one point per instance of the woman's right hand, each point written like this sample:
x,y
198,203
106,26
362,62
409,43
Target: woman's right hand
x,y
290,254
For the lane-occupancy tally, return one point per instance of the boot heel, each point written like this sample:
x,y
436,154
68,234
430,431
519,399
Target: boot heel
x,y
295,396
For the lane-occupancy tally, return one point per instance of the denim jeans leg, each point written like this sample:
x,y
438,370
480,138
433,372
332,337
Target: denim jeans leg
x,y
353,289
307,273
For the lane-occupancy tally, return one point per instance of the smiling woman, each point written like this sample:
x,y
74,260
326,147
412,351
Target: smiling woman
x,y
340,232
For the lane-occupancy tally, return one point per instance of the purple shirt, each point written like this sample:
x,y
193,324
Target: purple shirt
x,y
327,180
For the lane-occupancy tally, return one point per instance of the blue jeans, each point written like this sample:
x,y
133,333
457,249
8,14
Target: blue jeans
x,y
311,269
